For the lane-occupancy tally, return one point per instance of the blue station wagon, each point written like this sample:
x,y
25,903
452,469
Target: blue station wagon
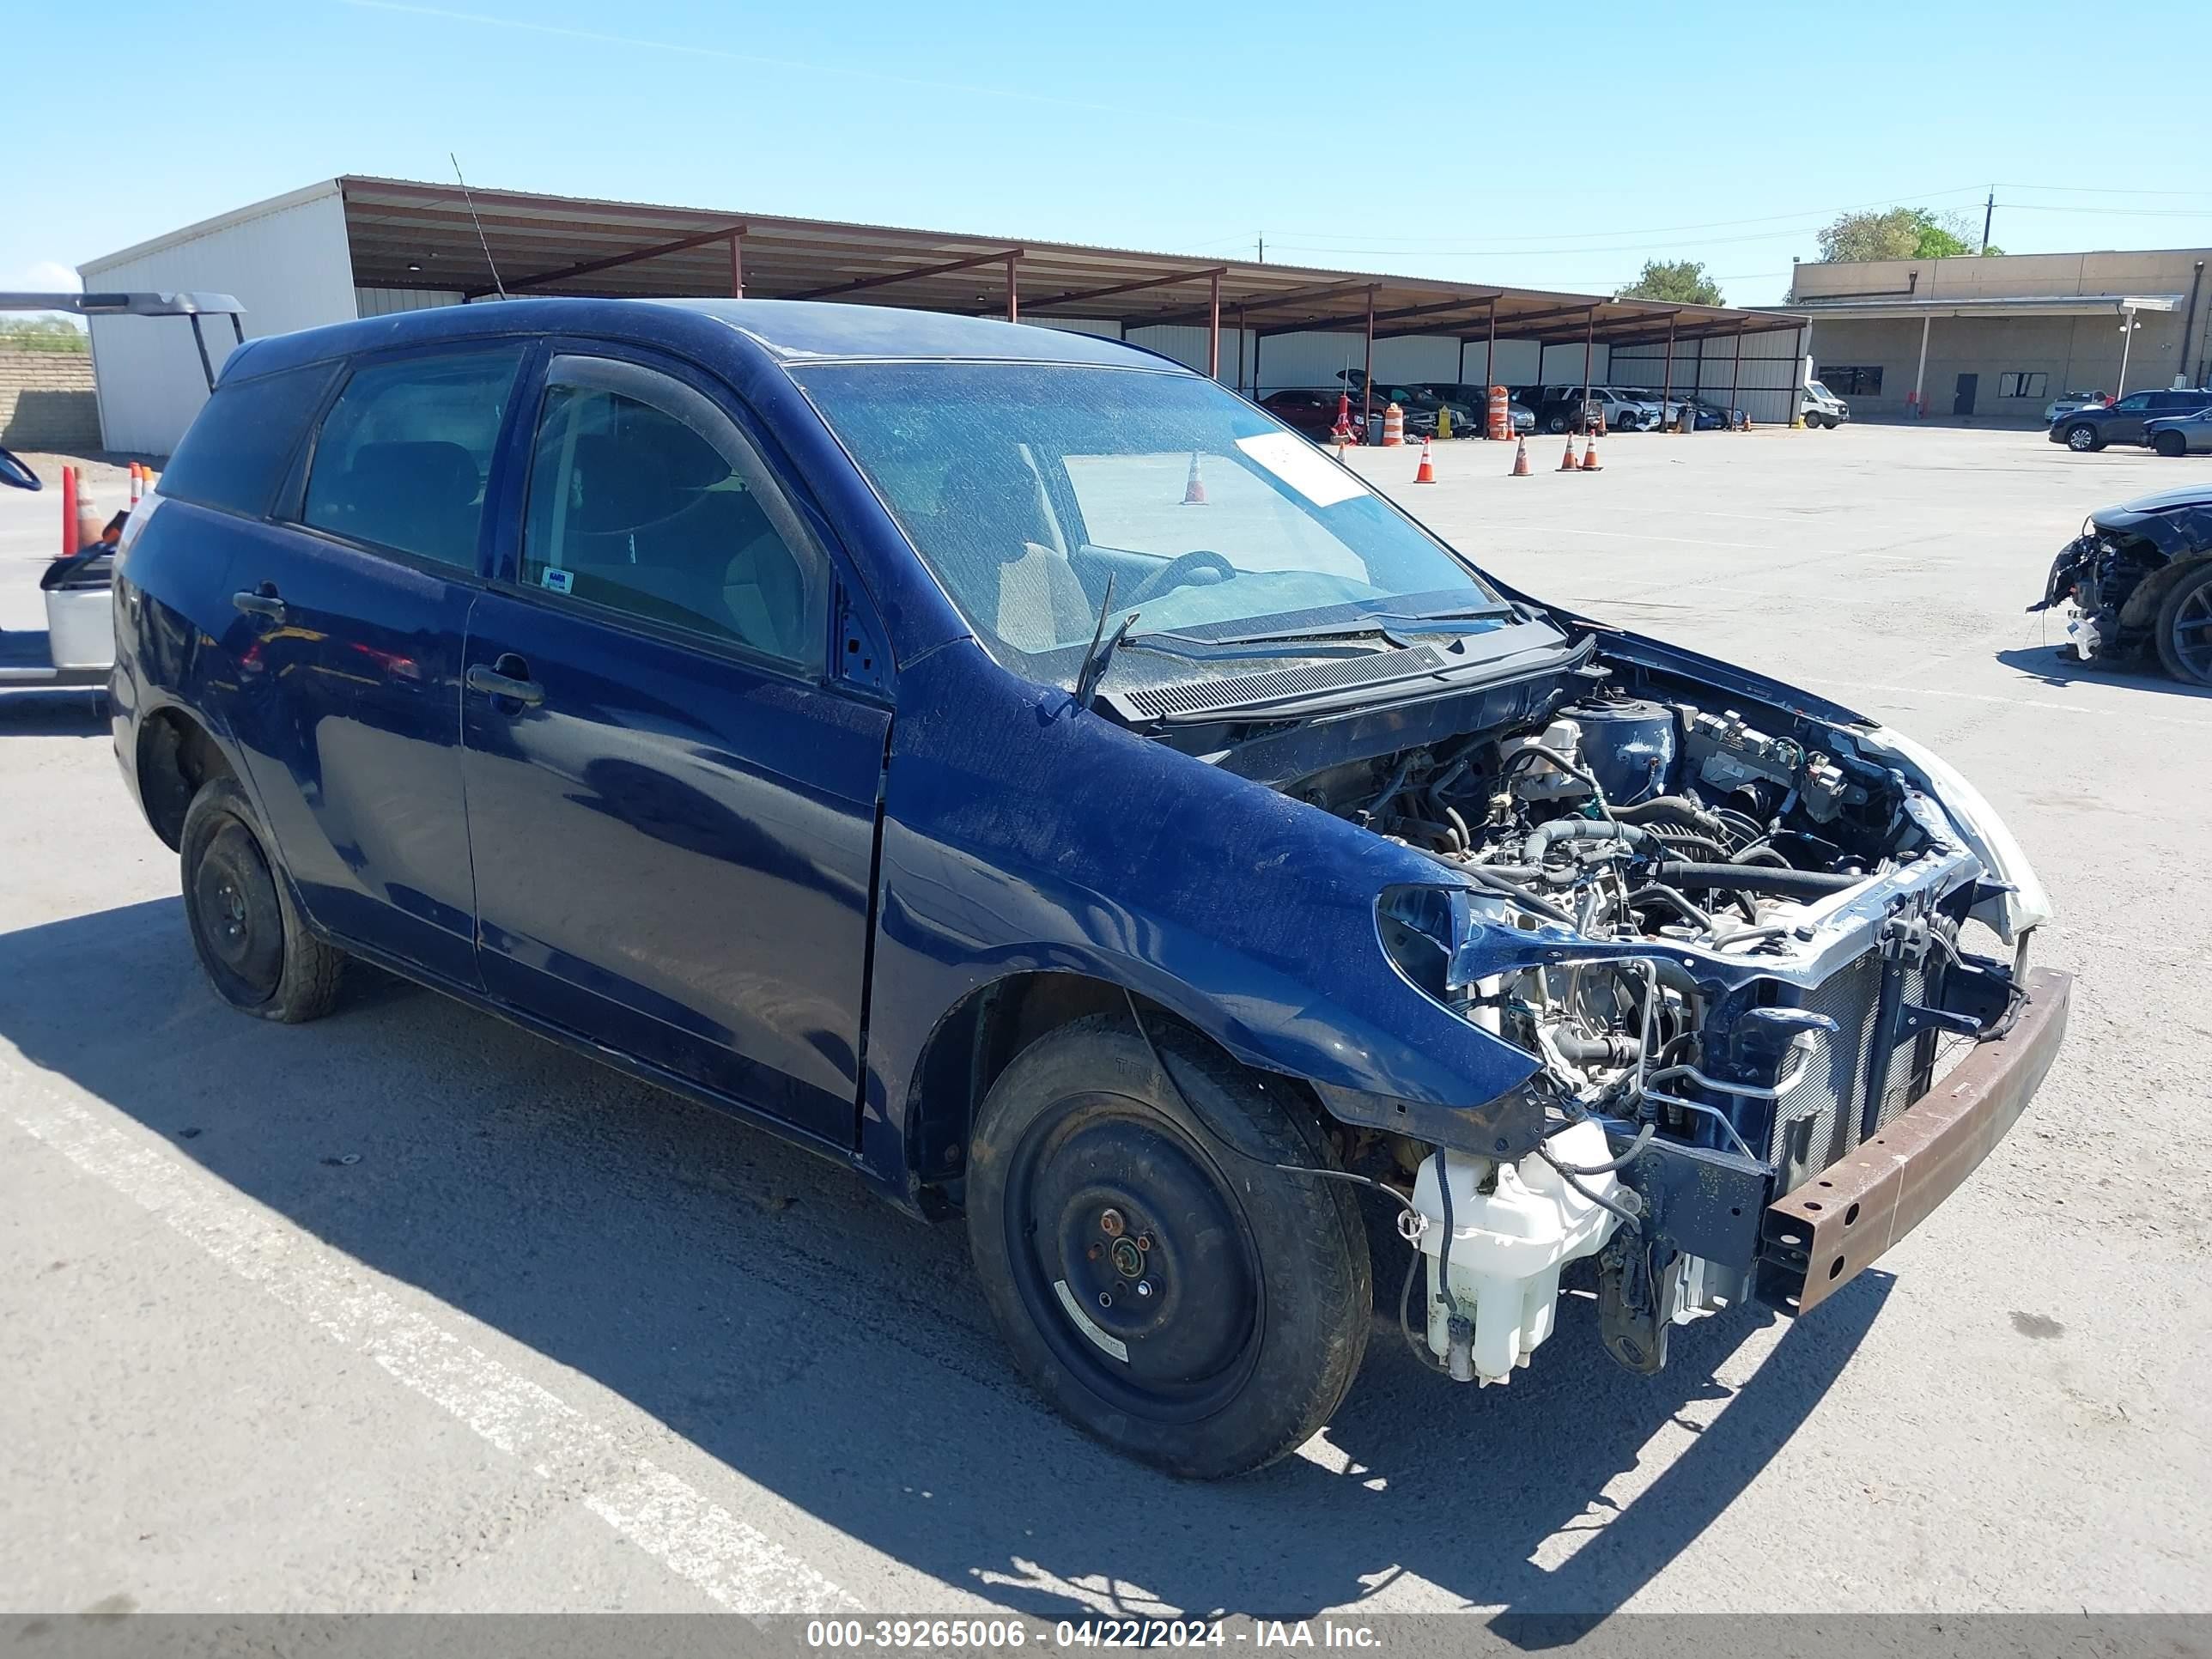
x,y
1026,772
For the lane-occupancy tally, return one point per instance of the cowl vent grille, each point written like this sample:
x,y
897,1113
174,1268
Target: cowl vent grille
x,y
1281,684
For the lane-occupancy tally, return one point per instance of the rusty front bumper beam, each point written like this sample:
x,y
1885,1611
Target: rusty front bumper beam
x,y
1815,1241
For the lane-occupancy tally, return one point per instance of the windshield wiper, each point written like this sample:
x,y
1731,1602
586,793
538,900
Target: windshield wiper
x,y
1441,622
1099,656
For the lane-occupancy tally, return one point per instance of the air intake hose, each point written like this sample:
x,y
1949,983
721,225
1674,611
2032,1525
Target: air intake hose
x,y
1753,879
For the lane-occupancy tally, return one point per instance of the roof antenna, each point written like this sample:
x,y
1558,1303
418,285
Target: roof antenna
x,y
478,223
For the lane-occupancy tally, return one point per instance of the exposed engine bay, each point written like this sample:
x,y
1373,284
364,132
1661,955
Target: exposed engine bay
x,y
2137,581
1734,946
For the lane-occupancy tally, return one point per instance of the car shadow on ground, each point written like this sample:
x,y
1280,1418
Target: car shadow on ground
x,y
764,1307
39,713
2044,663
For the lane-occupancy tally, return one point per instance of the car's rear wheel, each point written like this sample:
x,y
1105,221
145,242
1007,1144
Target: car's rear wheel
x,y
1555,424
1161,1281
257,952
2080,438
2185,628
2170,444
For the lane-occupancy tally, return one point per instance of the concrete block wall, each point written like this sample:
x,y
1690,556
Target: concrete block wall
x,y
47,402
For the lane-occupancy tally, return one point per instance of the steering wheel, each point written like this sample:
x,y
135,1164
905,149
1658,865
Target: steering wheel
x,y
14,473
1181,571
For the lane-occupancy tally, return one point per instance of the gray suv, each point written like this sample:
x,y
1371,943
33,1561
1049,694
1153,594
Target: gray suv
x,y
2123,423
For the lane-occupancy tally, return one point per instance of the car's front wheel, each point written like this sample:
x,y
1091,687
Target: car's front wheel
x,y
2185,628
1161,1279
2170,444
2082,438
249,937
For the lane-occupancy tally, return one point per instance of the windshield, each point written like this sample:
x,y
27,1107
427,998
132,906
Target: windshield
x,y
1024,486
1821,392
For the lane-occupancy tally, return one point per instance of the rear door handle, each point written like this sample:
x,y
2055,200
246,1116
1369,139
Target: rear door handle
x,y
517,686
260,601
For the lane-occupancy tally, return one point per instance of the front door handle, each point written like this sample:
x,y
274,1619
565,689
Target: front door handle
x,y
509,677
260,601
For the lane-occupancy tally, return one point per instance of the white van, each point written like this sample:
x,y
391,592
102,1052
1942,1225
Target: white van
x,y
1821,407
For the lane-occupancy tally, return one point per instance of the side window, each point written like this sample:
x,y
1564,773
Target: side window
x,y
233,454
404,452
646,498
2133,405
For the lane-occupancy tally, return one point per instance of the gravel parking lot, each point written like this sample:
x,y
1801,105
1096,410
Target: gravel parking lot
x,y
407,1310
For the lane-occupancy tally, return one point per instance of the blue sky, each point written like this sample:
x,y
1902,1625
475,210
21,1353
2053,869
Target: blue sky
x,y
1555,145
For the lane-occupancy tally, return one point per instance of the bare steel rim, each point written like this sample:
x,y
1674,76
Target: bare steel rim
x,y
1134,1258
236,916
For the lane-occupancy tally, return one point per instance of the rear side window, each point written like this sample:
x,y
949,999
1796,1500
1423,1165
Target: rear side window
x,y
233,456
404,451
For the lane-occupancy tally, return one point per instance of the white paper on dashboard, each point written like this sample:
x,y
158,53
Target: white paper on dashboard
x,y
1302,467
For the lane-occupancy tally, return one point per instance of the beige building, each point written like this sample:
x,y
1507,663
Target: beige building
x,y
1995,339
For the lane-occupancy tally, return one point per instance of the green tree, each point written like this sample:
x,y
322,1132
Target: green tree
x,y
1683,281
1899,233
41,334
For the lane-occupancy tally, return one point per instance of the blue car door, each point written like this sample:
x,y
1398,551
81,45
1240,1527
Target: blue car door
x,y
671,799
353,600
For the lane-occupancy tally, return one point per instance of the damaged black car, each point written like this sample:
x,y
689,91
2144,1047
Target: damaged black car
x,y
2137,580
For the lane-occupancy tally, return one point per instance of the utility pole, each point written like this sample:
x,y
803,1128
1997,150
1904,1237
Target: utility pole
x,y
1988,212
1262,260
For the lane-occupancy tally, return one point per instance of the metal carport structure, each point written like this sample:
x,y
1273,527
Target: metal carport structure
x,y
356,245
406,236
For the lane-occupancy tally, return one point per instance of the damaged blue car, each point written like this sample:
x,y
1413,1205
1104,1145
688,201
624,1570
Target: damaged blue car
x,y
1019,768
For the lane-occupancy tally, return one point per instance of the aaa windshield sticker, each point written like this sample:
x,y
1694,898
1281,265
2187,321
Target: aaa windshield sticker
x,y
1302,467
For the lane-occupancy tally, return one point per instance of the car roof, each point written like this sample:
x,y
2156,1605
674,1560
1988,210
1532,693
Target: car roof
x,y
791,331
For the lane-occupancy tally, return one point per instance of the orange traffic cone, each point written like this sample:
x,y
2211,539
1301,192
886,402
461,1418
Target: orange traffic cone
x,y
1193,491
1590,455
1521,467
87,513
69,512
1569,464
137,482
1427,472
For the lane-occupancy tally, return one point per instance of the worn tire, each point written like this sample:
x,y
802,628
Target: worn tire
x,y
2188,607
1257,1316
246,930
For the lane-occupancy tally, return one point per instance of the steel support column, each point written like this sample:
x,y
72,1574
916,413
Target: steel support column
x,y
736,267
1489,372
1013,292
1667,382
1798,377
1213,327
1367,379
1736,381
1589,344
1920,375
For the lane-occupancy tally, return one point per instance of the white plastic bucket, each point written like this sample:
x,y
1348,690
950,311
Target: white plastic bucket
x,y
80,628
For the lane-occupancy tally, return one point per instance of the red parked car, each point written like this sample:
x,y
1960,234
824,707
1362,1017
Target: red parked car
x,y
1312,412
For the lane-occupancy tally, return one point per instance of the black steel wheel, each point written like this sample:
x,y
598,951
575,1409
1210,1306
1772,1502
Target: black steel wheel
x,y
2185,628
2171,445
1160,1280
246,930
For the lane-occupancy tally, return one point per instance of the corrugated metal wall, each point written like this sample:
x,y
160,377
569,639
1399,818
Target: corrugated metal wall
x,y
290,267
385,302
1186,345
1765,381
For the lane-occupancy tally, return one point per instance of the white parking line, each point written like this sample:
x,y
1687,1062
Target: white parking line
x,y
734,1564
